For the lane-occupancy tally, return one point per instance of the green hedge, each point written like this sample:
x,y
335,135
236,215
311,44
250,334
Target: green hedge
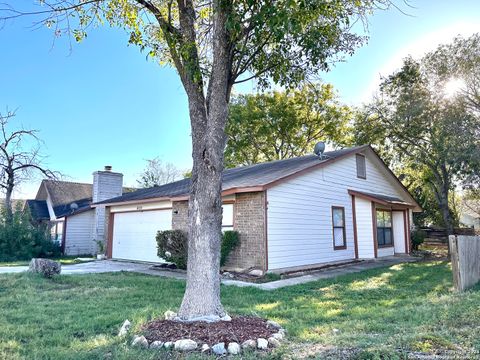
x,y
20,240
418,237
172,245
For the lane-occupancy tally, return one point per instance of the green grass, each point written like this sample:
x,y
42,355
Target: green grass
x,y
382,313
64,260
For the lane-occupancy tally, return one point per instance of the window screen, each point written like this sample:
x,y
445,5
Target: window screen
x,y
361,166
338,222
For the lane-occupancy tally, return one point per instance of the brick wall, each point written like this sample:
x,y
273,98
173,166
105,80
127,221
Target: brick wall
x,y
180,215
249,221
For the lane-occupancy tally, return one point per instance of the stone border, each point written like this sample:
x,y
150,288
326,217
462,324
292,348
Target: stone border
x,y
184,345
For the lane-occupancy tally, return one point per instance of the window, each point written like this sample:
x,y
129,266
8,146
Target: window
x,y
384,228
361,166
227,217
338,221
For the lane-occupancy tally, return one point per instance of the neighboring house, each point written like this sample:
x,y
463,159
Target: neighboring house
x,y
291,214
66,207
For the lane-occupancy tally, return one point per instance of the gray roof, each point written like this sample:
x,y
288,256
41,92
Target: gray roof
x,y
38,209
64,194
388,199
240,177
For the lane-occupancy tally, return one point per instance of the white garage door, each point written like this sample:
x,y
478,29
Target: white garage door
x,y
134,234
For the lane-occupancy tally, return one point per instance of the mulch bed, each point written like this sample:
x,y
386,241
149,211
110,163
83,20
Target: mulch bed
x,y
239,329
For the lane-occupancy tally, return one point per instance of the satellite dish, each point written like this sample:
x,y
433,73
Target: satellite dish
x,y
319,149
73,206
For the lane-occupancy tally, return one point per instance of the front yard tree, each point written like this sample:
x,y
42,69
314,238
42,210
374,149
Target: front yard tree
x,y
283,124
214,45
19,159
434,136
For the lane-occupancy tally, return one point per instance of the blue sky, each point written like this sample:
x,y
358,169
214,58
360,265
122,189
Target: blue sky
x,y
104,103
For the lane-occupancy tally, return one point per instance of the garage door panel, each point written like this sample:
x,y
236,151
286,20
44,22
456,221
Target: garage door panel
x,y
134,234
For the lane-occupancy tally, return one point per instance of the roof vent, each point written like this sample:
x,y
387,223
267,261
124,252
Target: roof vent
x,y
108,167
319,149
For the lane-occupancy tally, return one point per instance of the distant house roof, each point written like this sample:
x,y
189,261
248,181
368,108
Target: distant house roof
x,y
67,198
38,209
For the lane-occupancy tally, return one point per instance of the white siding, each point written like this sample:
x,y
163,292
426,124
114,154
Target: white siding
x,y
299,213
366,248
398,218
387,251
79,234
134,234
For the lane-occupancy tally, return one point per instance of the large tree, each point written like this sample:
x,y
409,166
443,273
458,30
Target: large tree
x,y
157,173
20,159
425,131
214,45
283,124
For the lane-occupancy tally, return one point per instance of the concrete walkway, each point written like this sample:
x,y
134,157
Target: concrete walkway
x,y
327,273
106,266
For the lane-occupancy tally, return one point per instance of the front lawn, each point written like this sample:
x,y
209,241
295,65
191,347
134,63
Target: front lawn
x,y
389,312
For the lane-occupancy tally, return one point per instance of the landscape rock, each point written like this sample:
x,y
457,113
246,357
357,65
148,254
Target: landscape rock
x,y
228,275
185,345
156,345
219,349
249,344
125,328
169,315
335,331
274,324
46,267
205,347
274,342
234,348
140,341
279,336
226,317
168,345
262,343
256,272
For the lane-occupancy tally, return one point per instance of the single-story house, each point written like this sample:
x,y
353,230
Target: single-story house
x,y
66,208
291,214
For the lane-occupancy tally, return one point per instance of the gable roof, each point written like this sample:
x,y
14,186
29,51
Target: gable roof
x,y
257,177
67,197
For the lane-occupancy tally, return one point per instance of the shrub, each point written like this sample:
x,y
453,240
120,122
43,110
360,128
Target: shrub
x,y
20,240
172,245
230,241
418,237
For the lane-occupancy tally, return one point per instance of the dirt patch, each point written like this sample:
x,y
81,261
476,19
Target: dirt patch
x,y
239,329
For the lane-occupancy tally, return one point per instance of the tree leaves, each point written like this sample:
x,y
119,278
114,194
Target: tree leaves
x,y
279,125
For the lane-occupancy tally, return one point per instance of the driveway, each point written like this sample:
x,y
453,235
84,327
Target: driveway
x,y
103,266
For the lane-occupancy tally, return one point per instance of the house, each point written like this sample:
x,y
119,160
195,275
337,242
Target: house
x,y
291,214
66,208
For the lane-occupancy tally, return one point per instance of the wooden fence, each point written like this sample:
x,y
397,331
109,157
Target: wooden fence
x,y
465,252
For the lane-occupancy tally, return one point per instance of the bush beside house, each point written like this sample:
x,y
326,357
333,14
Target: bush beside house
x,y
20,240
172,245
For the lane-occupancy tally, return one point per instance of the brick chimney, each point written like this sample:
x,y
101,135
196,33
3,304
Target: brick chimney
x,y
106,185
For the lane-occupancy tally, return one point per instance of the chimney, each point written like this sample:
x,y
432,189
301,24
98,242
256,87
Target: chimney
x,y
106,185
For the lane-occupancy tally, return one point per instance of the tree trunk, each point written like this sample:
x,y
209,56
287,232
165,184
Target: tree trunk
x,y
8,202
208,117
202,295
